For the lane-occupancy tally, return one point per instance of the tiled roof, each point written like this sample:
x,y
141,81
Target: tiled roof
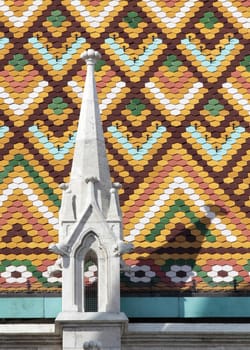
x,y
174,90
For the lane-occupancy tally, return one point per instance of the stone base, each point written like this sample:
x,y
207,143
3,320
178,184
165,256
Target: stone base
x,y
91,330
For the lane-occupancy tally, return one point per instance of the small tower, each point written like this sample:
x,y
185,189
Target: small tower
x,y
90,237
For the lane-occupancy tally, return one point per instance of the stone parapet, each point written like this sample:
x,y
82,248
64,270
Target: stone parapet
x,y
186,336
134,336
27,336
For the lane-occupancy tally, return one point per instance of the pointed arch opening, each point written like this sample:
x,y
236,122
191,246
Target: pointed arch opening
x,y
90,281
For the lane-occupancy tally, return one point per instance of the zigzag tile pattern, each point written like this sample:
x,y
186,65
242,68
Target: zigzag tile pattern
x,y
174,90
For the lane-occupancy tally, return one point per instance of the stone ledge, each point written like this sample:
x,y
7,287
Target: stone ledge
x,y
186,336
186,328
27,328
91,317
25,336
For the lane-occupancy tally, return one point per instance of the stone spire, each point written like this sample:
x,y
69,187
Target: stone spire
x,y
90,159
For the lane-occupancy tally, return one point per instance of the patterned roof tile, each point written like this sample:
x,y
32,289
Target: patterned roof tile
x,y
173,85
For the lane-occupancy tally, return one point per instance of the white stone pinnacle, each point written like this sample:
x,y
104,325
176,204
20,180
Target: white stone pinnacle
x,y
90,222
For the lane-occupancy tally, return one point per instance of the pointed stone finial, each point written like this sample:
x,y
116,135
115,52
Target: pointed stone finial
x,y
114,212
114,216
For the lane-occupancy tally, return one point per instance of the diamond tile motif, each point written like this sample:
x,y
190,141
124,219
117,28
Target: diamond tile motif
x,y
174,93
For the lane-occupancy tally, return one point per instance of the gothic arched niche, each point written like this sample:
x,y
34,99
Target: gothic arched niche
x,y
90,280
90,266
93,256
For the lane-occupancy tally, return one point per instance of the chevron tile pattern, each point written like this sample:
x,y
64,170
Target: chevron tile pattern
x,y
174,91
